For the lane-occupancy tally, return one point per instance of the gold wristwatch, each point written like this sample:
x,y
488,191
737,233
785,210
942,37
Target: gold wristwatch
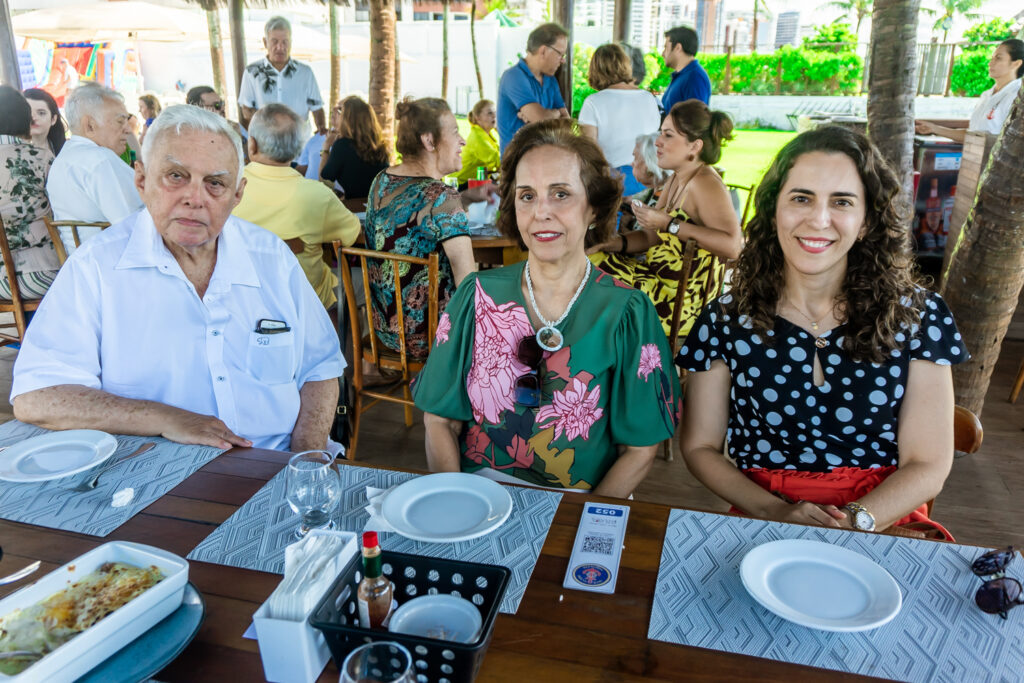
x,y
861,518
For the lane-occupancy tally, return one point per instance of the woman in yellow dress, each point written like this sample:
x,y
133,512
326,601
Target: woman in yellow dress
x,y
481,144
694,203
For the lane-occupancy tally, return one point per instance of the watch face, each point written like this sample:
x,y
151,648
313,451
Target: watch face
x,y
863,521
673,227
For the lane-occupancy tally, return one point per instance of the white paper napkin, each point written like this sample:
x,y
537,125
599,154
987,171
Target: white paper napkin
x,y
310,566
375,497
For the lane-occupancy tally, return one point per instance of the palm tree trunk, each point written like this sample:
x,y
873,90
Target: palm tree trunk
x,y
986,270
444,50
398,63
476,59
753,30
332,20
891,89
382,66
10,73
217,51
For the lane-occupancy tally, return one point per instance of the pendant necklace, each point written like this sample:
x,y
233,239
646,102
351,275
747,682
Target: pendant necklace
x,y
820,342
549,337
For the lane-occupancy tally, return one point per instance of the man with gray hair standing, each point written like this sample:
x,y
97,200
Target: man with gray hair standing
x,y
302,212
88,180
279,78
182,320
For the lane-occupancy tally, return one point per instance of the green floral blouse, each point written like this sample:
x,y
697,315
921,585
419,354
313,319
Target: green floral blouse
x,y
24,204
611,384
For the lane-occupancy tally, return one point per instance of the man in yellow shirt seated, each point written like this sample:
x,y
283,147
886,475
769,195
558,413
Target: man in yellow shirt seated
x,y
302,212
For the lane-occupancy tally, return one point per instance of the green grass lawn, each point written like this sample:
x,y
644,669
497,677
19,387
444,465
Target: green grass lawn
x,y
747,156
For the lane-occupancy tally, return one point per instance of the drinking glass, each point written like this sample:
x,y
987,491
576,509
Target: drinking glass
x,y
313,489
381,662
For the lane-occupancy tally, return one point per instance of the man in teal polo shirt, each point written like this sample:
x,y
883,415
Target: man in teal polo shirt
x,y
528,90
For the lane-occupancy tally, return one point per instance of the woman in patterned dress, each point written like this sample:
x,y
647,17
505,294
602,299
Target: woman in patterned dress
x,y
826,368
550,372
411,211
23,200
693,203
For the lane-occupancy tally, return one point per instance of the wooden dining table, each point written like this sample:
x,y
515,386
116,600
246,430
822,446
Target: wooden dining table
x,y
557,634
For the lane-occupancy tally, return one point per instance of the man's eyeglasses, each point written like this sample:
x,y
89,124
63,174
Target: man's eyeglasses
x,y
561,54
999,593
213,106
527,388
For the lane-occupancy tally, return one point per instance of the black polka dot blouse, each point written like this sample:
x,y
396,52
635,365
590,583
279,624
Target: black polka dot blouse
x,y
778,418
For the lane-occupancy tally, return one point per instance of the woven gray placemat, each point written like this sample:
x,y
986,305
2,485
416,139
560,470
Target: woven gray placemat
x,y
137,483
255,536
938,635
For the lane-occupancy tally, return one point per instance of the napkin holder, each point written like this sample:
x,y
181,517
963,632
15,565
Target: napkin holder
x,y
294,651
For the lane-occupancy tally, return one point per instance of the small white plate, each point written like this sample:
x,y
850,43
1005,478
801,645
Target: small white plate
x,y
446,507
443,617
55,455
820,585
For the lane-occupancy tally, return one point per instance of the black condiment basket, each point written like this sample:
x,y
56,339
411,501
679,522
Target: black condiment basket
x,y
434,661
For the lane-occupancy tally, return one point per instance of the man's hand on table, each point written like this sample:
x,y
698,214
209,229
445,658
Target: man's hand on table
x,y
183,426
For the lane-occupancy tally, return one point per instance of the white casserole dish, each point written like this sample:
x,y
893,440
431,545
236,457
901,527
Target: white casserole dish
x,y
86,650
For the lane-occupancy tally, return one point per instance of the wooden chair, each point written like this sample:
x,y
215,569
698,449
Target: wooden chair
x,y
366,346
54,229
1017,383
15,304
746,203
967,436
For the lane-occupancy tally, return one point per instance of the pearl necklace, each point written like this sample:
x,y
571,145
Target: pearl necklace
x,y
549,337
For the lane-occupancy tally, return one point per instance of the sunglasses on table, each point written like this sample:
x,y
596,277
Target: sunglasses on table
x,y
999,593
527,387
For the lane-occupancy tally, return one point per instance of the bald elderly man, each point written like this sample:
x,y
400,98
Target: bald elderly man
x,y
182,320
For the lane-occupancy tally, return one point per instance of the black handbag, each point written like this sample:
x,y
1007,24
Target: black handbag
x,y
341,429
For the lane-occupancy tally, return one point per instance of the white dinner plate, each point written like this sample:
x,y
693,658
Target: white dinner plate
x,y
820,585
446,507
443,617
55,455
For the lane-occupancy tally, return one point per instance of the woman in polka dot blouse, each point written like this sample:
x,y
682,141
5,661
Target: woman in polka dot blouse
x,y
826,369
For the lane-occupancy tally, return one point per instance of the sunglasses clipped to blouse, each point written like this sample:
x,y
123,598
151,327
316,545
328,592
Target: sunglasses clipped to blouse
x,y
527,388
999,593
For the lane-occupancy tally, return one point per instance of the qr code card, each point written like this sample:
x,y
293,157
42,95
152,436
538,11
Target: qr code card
x,y
594,564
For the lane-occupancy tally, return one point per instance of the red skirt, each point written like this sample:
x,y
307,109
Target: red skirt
x,y
838,487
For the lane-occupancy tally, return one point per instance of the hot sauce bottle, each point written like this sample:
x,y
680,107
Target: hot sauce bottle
x,y
375,594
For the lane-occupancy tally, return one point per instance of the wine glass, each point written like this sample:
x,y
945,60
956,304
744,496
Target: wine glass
x,y
313,489
381,662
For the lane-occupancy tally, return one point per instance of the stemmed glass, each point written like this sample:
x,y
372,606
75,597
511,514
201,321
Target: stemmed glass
x,y
313,489
381,662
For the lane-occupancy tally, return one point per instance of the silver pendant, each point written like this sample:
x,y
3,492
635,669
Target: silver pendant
x,y
549,338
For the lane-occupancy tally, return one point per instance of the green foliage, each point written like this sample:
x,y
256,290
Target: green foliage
x,y
995,31
837,32
581,55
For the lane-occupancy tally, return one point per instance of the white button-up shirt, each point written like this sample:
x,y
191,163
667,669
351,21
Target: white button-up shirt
x,y
122,317
295,86
993,108
90,183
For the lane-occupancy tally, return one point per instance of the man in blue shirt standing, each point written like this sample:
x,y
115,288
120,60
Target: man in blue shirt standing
x,y
528,91
689,79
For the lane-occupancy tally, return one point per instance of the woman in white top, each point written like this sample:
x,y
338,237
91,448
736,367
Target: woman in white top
x,y
1006,68
619,112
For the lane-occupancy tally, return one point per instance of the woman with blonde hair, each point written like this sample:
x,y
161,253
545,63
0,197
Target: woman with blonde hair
x,y
354,150
619,112
481,144
149,109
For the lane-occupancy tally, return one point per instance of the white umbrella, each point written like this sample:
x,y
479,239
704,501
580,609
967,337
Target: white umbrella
x,y
106,21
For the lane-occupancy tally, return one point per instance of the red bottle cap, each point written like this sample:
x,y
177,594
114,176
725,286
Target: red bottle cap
x,y
370,539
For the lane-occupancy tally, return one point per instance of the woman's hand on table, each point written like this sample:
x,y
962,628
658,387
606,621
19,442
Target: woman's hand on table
x,y
487,192
650,218
803,512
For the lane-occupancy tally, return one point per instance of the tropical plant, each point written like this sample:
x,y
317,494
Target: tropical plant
x,y
949,9
581,56
995,31
858,8
970,68
834,37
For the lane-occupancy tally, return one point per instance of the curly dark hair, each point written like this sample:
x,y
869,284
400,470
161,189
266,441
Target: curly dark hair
x,y
879,296
604,192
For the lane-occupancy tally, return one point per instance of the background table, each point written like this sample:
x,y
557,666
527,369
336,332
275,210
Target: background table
x,y
557,634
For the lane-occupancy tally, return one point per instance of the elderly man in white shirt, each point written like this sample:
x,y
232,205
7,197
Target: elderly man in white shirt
x,y
182,320
279,78
88,180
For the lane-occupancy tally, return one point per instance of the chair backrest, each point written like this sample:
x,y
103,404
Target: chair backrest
x,y
12,275
432,263
746,193
53,227
709,292
967,431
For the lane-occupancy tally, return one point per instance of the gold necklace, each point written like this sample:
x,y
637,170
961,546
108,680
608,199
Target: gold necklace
x,y
819,341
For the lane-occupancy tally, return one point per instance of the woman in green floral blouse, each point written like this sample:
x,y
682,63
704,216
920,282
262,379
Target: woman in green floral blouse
x,y
550,372
23,200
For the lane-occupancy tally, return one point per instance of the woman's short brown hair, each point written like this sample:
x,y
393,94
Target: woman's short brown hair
x,y
604,192
416,118
609,65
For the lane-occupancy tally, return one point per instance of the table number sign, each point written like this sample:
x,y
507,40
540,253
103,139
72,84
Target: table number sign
x,y
594,563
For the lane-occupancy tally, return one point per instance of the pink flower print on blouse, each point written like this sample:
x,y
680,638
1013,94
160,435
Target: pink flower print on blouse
x,y
495,368
650,360
444,326
572,411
